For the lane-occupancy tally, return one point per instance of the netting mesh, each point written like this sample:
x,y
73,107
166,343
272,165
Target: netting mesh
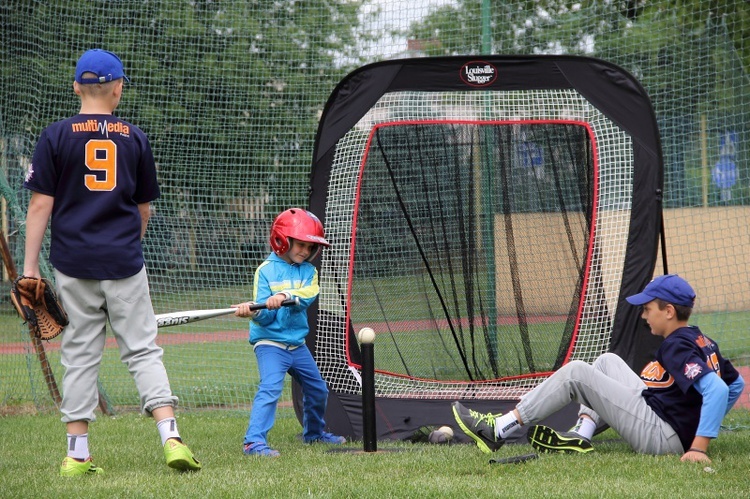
x,y
469,245
230,92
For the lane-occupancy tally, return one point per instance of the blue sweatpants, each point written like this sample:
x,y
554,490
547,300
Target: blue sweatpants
x,y
273,364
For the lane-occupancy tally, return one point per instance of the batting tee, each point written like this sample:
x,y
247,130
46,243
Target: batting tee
x,y
487,217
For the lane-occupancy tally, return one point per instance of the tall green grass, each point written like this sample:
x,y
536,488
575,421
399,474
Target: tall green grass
x,y
127,447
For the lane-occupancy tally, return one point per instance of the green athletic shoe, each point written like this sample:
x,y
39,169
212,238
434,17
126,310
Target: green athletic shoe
x,y
479,426
73,467
545,439
179,457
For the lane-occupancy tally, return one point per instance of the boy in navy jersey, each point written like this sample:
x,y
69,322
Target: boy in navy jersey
x,y
94,176
675,406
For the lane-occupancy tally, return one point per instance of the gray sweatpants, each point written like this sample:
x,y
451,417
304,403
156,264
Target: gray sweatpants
x,y
127,305
608,391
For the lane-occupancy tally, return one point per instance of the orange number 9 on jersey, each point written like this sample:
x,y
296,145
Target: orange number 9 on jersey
x,y
101,156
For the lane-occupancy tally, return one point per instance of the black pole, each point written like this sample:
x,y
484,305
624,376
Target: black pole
x,y
368,397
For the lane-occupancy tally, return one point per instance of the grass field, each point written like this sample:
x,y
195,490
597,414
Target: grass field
x,y
212,369
127,447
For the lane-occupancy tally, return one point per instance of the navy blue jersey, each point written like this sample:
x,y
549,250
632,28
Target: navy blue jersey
x,y
683,358
98,168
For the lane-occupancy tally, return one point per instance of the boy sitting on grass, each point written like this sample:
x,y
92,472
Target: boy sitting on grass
x,y
676,405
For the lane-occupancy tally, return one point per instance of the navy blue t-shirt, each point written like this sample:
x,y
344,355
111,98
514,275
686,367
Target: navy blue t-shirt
x,y
98,168
683,358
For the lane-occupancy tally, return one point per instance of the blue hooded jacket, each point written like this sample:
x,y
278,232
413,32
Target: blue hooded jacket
x,y
287,325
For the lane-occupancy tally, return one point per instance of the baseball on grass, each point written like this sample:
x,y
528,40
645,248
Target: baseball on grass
x,y
447,430
442,435
366,335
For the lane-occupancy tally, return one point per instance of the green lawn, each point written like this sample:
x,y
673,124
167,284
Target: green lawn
x,y
205,372
127,447
444,363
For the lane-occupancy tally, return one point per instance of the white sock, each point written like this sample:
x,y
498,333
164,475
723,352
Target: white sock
x,y
167,429
584,427
506,425
78,446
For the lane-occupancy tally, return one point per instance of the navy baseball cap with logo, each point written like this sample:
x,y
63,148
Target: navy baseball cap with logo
x,y
104,64
671,288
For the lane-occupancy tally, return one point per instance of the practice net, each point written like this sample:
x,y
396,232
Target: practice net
x,y
478,246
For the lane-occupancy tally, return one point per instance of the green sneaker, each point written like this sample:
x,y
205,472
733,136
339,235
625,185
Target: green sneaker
x,y
545,439
73,467
179,457
479,426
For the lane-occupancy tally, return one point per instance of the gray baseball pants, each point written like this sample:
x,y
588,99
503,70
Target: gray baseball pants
x,y
127,305
609,392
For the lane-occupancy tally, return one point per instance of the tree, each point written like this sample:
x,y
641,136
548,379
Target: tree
x,y
247,72
688,54
228,91
564,26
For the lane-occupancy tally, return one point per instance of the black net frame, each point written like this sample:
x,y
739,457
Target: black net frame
x,y
618,180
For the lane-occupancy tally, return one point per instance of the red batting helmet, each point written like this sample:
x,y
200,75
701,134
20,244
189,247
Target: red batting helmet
x,y
299,224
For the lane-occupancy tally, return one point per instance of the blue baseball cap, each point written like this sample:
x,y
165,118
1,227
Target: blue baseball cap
x,y
104,64
671,288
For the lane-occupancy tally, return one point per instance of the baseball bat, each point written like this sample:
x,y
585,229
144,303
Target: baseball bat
x,y
41,353
188,316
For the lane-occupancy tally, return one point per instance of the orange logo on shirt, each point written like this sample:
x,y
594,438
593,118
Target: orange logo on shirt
x,y
702,342
105,128
655,376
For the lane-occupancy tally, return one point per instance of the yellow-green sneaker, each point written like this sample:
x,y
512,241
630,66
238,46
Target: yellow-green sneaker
x,y
179,457
545,439
73,467
479,426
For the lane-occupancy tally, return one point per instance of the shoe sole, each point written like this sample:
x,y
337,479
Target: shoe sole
x,y
263,454
480,442
183,464
88,472
547,440
267,452
74,471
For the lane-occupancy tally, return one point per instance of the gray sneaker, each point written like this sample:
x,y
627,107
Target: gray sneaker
x,y
545,439
479,426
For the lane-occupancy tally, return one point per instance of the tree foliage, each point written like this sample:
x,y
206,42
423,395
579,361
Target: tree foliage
x,y
582,26
692,56
220,77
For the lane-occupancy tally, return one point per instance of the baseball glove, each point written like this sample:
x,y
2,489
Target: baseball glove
x,y
38,305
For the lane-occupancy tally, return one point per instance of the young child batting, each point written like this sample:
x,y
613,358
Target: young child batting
x,y
94,175
278,333
675,406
